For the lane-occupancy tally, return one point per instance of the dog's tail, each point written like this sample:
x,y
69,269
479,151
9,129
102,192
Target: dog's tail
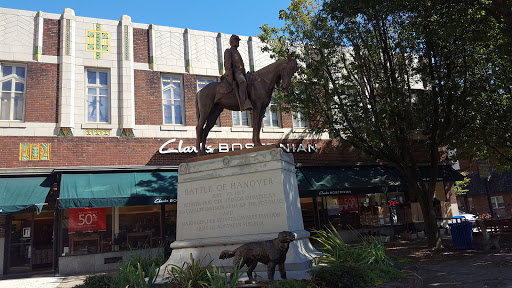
x,y
226,254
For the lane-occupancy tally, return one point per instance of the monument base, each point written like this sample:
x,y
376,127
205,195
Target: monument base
x,y
235,199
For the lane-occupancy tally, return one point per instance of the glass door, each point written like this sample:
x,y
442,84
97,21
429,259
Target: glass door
x,y
20,241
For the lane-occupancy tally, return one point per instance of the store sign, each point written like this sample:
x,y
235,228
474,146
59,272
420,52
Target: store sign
x,y
175,146
87,219
393,202
349,203
164,201
334,192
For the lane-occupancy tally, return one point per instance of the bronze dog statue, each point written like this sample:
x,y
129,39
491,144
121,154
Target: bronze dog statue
x,y
270,252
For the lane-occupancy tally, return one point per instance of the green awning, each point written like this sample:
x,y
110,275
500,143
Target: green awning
x,y
326,181
445,173
118,189
18,193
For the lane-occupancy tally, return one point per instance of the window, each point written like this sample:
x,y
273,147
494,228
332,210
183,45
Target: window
x,y
172,99
497,202
201,82
298,120
98,98
271,115
12,103
241,118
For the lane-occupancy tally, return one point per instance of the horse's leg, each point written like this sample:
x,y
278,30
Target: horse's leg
x,y
210,122
257,117
200,138
256,126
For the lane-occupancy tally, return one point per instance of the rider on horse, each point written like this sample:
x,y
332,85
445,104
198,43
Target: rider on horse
x,y
235,73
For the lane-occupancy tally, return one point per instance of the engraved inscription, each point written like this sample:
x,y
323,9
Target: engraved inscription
x,y
230,204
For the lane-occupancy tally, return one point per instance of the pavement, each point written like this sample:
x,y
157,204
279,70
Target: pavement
x,y
441,268
43,281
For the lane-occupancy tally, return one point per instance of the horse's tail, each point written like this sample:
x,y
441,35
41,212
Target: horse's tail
x,y
197,106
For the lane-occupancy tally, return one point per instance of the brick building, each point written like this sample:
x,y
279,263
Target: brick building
x,y
95,117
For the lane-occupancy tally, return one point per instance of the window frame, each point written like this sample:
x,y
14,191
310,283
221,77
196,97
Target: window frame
x,y
269,115
172,105
496,204
97,85
298,117
207,81
248,113
13,77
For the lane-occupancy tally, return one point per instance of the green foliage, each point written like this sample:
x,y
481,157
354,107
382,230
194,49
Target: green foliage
x,y
396,77
133,272
193,274
96,281
336,251
291,284
351,275
361,265
220,279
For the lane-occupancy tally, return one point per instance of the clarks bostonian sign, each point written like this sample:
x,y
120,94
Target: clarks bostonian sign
x,y
175,146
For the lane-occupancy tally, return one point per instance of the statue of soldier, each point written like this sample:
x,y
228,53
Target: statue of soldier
x,y
235,73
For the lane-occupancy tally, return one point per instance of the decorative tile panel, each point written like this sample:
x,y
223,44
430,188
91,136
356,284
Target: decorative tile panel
x,y
127,132
97,132
65,131
97,41
34,151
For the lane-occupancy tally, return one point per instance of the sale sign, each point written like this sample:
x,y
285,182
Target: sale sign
x,y
87,219
348,203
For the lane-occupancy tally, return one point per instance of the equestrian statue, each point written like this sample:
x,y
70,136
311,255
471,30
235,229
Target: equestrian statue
x,y
239,91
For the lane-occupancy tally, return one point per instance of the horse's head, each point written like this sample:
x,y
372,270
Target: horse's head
x,y
287,71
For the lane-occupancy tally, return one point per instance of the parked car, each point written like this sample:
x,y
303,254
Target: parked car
x,y
466,216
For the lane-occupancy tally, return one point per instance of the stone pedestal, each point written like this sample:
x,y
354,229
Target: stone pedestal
x,y
234,199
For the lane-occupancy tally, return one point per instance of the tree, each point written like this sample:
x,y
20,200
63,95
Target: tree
x,y
387,76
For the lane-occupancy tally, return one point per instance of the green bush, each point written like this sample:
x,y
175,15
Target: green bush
x,y
361,265
96,281
191,274
133,272
290,284
337,275
220,279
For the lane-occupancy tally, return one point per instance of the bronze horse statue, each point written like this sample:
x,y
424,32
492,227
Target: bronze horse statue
x,y
211,100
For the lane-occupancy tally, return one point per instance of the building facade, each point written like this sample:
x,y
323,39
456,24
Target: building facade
x,y
95,117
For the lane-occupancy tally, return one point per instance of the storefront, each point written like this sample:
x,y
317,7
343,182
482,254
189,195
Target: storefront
x,y
90,219
370,199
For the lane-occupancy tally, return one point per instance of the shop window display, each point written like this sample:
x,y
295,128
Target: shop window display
x,y
107,229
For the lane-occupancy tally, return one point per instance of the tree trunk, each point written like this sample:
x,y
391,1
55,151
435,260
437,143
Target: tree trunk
x,y
425,196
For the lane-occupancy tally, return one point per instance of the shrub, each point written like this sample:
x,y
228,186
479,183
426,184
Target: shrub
x,y
191,274
96,281
134,271
220,279
337,275
291,284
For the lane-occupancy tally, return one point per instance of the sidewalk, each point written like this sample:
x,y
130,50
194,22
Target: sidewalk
x,y
43,281
452,268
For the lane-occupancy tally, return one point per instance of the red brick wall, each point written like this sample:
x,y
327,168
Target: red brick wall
x,y
51,37
148,98
42,92
190,89
141,45
286,119
480,205
116,151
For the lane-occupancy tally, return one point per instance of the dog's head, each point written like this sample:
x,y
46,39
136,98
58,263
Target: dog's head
x,y
286,237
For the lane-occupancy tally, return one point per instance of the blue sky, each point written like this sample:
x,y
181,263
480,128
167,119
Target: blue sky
x,y
241,17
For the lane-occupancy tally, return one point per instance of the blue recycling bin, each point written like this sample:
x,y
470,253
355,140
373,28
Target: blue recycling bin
x,y
462,234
